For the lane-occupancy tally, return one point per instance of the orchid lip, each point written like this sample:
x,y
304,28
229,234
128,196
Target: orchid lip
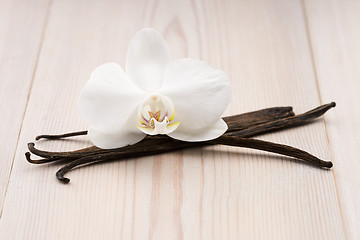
x,y
154,127
156,115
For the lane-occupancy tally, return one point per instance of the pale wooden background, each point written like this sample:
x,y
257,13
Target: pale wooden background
x,y
277,53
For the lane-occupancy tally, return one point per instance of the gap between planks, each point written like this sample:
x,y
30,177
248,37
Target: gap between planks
x,y
316,77
47,16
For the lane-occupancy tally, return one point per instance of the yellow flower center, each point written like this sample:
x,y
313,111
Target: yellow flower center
x,y
156,115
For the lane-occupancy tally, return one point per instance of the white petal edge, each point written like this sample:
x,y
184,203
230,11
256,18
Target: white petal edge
x,y
212,132
199,92
127,134
109,97
146,58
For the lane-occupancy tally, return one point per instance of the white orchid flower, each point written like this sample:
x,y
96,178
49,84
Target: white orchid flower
x,y
183,99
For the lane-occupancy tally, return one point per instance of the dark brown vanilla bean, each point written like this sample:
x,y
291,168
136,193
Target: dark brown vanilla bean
x,y
240,127
235,122
251,119
150,149
40,161
283,123
64,155
274,148
53,137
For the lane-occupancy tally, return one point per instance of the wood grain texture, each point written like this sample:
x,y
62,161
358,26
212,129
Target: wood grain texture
x,y
335,37
21,27
211,193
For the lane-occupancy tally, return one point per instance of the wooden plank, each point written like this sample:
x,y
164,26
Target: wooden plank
x,y
335,37
212,193
21,26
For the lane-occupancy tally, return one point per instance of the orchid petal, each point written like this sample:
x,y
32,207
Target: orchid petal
x,y
146,57
109,97
200,94
204,134
124,135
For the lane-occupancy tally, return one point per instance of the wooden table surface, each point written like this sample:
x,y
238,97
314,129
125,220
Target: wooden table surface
x,y
276,53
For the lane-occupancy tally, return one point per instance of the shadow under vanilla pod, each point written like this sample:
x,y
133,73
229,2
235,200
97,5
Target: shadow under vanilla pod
x,y
240,128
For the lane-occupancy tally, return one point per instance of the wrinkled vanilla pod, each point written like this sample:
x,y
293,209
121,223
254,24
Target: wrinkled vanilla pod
x,y
240,128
